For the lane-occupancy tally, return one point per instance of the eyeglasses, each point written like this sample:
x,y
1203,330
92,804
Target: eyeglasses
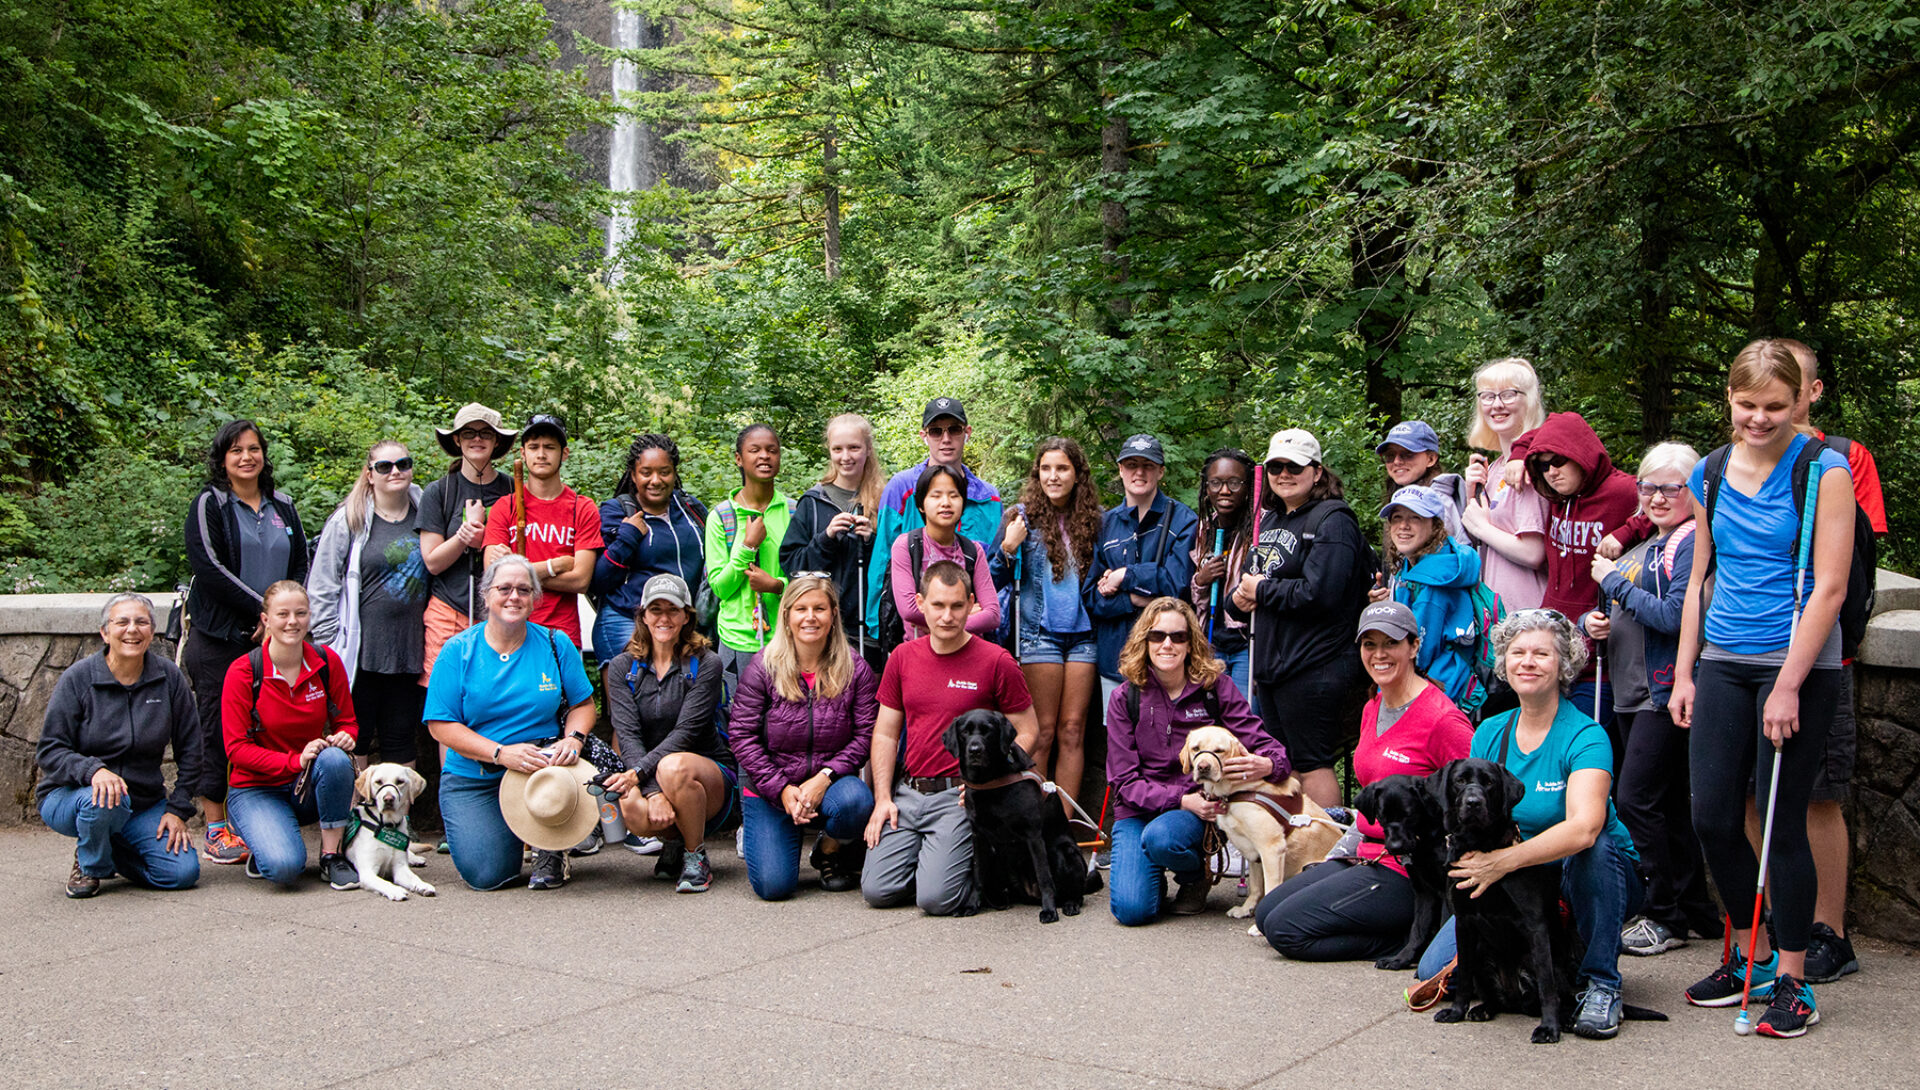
x,y
511,590
1502,397
1154,635
469,434
1226,484
396,465
1398,454
951,431
1670,491
1287,469
1551,461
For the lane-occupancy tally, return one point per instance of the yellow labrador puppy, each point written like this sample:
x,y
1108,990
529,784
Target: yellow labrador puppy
x,y
1275,825
377,837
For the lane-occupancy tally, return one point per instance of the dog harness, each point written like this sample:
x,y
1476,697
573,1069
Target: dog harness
x,y
392,835
1008,780
1286,809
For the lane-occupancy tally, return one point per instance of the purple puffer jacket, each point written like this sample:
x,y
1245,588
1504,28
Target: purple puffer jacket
x,y
1143,759
781,742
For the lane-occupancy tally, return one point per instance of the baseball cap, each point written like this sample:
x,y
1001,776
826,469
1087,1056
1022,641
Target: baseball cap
x,y
544,424
1296,445
1142,446
1413,436
1392,618
667,588
943,406
1419,499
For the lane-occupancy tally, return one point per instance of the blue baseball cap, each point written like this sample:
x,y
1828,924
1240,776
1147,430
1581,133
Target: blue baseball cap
x,y
1412,436
1419,499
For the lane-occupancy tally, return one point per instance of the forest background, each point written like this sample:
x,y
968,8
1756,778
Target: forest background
x,y
1203,218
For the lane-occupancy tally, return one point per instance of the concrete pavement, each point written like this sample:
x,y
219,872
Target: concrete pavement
x,y
616,981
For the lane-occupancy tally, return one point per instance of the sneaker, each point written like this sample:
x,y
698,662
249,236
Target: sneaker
x,y
667,867
1643,938
1190,899
695,873
337,872
253,870
550,870
840,869
225,847
1599,1017
1792,1010
80,884
1103,859
642,845
1721,988
591,845
443,848
1829,956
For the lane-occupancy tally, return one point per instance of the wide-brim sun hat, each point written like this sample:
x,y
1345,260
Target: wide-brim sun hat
x,y
475,413
550,808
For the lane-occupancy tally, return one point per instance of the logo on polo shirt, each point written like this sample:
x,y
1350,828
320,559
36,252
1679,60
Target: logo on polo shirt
x,y
1549,785
1194,713
313,692
1392,754
154,700
546,683
956,683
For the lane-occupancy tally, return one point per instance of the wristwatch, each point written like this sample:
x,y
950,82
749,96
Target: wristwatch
x,y
577,736
828,773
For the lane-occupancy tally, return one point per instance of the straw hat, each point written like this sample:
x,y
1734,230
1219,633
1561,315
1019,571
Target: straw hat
x,y
550,808
475,413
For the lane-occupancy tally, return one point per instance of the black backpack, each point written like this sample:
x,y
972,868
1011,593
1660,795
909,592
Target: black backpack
x,y
1210,694
1857,608
892,631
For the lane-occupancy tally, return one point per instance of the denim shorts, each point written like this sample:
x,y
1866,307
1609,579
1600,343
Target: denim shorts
x,y
1038,646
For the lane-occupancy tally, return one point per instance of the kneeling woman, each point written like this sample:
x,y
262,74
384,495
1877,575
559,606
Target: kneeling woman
x,y
1565,761
662,695
1345,909
1172,685
801,725
288,716
496,690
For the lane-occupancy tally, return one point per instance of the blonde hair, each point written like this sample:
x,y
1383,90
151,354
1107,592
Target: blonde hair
x,y
362,490
1678,457
874,480
275,590
1519,373
1763,361
1203,668
781,659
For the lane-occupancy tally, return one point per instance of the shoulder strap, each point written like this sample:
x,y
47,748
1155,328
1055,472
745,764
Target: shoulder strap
x,y
1506,738
628,505
1840,445
1133,703
729,521
256,658
1806,499
916,554
1714,473
967,553
559,716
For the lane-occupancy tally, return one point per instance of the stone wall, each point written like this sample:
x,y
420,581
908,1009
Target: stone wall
x,y
1885,813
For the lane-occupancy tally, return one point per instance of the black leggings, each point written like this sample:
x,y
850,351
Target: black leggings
x,y
1338,911
207,661
388,707
1728,700
1658,813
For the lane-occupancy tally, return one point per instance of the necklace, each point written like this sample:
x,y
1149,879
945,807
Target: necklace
x,y
508,653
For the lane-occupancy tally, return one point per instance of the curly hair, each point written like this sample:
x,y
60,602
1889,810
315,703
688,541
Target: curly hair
x,y
1083,510
640,446
1437,540
1571,650
223,442
1203,666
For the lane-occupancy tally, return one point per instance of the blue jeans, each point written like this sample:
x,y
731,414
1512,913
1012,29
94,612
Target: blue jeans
x,y
1142,848
119,838
1604,889
485,852
611,631
269,819
1237,664
772,841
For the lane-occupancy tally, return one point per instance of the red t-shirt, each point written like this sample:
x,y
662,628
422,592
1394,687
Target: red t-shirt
x,y
1428,734
290,716
555,528
981,675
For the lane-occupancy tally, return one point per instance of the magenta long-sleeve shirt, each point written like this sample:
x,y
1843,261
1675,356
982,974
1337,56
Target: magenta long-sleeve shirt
x,y
984,623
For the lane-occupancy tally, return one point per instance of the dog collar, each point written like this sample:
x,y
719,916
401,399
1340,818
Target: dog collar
x,y
392,835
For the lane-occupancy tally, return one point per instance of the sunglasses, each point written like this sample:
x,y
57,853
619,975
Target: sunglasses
x,y
812,575
1280,468
1154,635
1399,455
1670,491
1498,397
1553,615
1551,461
394,465
951,431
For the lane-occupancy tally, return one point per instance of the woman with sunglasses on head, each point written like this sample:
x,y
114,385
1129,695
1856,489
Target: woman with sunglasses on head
x,y
1507,520
1646,592
453,523
1172,684
369,590
1306,583
1758,676
242,536
650,528
1227,515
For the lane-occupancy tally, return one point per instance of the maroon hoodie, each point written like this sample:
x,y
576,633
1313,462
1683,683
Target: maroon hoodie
x,y
1575,525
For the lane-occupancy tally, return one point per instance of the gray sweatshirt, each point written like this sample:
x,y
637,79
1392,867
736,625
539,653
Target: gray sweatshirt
x,y
94,722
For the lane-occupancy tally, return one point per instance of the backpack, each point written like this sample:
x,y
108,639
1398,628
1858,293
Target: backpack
x,y
1209,694
1475,647
720,709
256,658
1857,608
892,630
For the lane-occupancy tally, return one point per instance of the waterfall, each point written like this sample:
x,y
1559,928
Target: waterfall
x,y
629,155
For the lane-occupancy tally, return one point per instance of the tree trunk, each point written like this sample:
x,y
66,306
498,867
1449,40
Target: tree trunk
x,y
829,165
1115,137
1653,338
1378,254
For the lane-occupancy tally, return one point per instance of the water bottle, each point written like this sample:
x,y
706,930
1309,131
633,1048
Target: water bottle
x,y
612,826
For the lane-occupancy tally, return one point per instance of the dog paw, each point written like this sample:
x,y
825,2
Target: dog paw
x,y
1546,1035
416,860
1071,908
423,890
1254,930
1049,915
1239,912
1446,1014
1395,963
1480,1014
395,894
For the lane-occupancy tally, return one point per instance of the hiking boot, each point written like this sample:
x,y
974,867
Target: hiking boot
x,y
1190,899
1829,956
1721,988
642,845
337,872
550,870
695,873
667,867
1791,1012
1643,938
1599,1017
591,845
80,884
839,869
225,847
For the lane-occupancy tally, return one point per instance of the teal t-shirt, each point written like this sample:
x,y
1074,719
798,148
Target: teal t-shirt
x,y
1573,743
518,699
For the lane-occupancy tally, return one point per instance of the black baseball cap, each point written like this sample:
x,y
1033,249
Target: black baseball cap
x,y
1142,446
943,406
544,424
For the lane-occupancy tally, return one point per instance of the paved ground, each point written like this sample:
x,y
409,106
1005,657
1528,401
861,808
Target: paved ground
x,y
616,981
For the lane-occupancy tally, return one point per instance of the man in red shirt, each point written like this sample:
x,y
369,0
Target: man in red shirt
x,y
563,527
1830,956
921,841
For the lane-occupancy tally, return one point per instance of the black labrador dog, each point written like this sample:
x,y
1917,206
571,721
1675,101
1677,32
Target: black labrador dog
x,y
1410,815
1516,952
1022,848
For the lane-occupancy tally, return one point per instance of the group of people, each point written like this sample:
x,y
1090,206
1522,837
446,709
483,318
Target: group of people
x,y
790,666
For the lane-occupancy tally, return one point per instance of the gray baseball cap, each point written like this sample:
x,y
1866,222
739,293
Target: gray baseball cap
x,y
667,588
1392,618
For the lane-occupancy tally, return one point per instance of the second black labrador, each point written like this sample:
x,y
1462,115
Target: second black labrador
x,y
1413,823
1022,849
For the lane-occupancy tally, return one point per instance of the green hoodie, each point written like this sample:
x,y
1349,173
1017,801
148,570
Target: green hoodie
x,y
727,560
